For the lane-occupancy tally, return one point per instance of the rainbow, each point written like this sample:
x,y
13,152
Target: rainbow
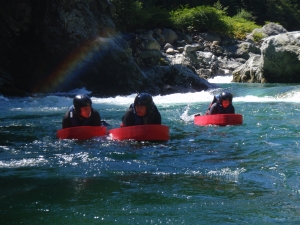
x,y
75,64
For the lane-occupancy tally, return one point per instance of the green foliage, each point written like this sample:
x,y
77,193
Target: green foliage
x,y
131,15
267,22
204,18
159,17
239,27
284,12
128,14
257,36
200,18
219,6
242,13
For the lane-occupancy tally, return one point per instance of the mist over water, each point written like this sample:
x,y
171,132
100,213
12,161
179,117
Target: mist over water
x,y
203,175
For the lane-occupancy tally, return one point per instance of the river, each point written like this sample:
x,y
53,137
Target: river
x,y
247,174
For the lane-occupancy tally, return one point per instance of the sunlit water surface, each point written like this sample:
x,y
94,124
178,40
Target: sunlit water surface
x,y
246,174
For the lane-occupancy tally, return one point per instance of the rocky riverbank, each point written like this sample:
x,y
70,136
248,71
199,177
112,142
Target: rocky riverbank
x,y
51,46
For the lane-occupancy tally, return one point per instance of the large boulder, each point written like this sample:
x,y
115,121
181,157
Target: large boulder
x,y
267,30
174,79
106,69
148,50
280,60
7,86
169,35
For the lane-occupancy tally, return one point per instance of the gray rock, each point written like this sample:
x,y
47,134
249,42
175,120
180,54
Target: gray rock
x,y
267,30
174,79
192,48
280,59
211,37
241,50
169,35
167,46
171,51
150,44
231,65
152,53
248,72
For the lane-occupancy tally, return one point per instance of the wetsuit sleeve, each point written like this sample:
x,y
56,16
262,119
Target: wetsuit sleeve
x,y
154,117
157,118
128,119
66,122
96,118
233,110
213,109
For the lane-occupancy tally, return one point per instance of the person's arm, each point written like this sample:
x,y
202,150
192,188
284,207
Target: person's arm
x,y
157,118
154,116
128,119
213,109
66,120
96,118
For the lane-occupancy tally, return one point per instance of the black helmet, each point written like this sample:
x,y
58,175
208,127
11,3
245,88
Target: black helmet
x,y
144,99
81,101
225,96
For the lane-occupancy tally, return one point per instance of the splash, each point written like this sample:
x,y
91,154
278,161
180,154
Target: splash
x,y
292,96
185,117
226,174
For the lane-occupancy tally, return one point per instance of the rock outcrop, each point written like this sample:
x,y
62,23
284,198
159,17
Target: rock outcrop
x,y
59,45
280,58
279,61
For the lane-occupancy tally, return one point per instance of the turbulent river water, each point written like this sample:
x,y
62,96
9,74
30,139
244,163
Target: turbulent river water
x,y
247,174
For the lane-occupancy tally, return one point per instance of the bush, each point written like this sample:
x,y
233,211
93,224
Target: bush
x,y
158,17
257,36
242,13
239,27
219,6
132,15
128,14
201,18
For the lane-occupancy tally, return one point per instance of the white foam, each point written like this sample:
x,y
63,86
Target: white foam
x,y
220,79
242,93
23,163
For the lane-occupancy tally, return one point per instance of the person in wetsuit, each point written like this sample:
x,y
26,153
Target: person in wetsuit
x,y
223,105
142,111
216,99
81,113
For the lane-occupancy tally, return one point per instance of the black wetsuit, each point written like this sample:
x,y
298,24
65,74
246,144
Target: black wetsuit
x,y
72,119
217,108
131,118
